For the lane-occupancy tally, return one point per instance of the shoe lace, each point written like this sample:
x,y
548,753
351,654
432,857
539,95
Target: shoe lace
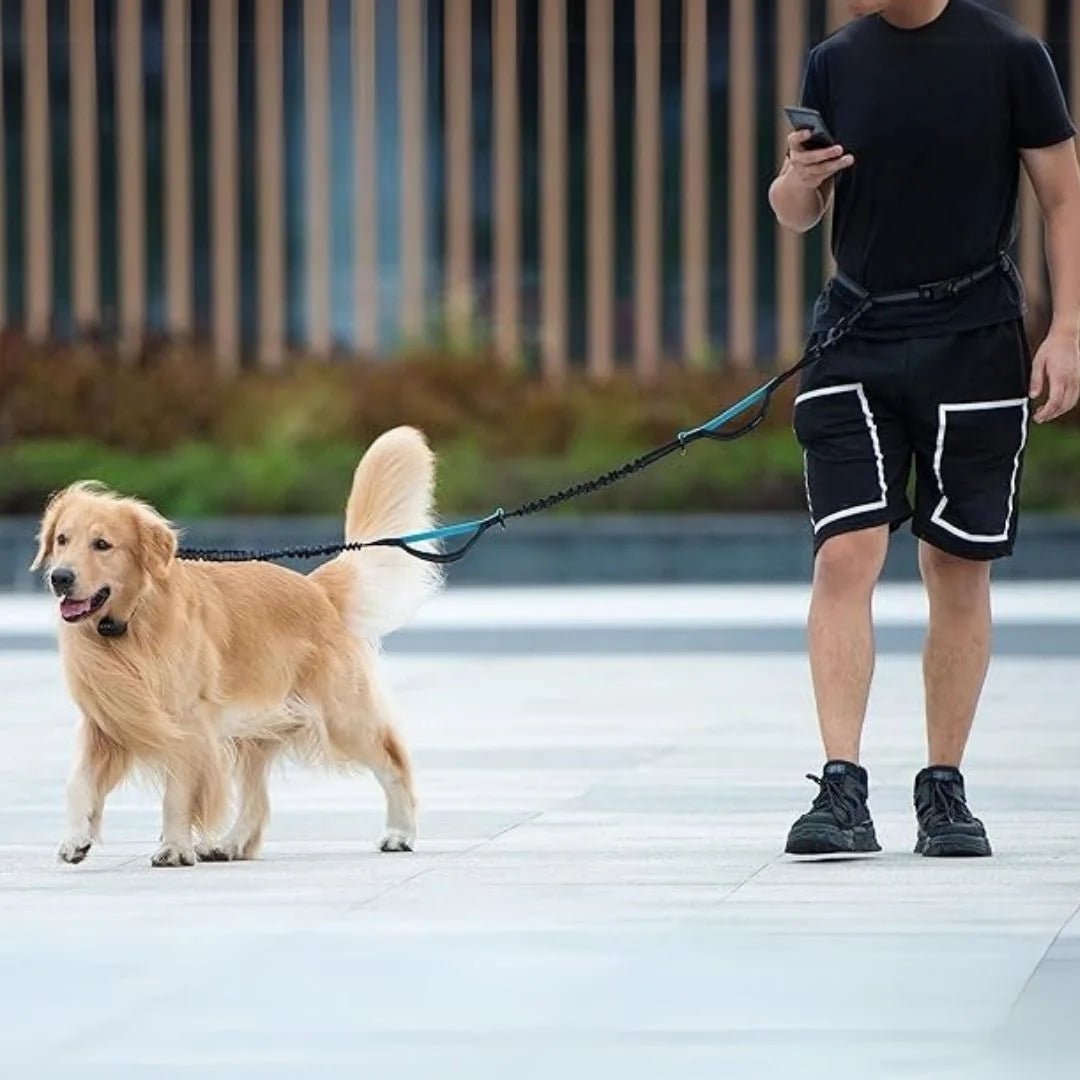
x,y
946,802
832,797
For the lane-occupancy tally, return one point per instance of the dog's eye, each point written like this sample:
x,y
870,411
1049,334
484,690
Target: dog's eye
x,y
101,544
61,540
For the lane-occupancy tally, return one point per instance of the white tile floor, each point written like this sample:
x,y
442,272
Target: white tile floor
x,y
598,886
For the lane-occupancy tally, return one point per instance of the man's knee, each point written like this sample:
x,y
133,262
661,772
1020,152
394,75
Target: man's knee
x,y
962,581
851,562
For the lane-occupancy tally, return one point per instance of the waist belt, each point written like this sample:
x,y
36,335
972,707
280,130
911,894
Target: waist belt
x,y
933,290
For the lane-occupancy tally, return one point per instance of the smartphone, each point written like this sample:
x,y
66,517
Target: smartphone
x,y
803,119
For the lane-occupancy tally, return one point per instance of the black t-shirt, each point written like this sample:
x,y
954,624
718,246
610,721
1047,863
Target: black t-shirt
x,y
935,118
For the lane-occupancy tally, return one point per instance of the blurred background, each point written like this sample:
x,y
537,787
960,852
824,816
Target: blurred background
x,y
238,238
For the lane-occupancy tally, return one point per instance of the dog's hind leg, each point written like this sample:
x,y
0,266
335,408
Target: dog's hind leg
x,y
391,767
364,733
253,760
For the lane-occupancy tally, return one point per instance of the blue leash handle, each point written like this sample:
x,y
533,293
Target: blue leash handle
x,y
448,532
755,397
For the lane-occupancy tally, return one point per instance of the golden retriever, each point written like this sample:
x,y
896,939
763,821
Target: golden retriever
x,y
200,672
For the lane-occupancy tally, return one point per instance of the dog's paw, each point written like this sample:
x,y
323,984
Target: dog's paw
x,y
174,855
75,848
217,853
397,840
223,852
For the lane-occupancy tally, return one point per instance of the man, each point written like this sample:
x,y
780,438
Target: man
x,y
935,105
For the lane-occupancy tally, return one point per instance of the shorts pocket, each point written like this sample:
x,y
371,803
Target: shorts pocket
x,y
842,456
977,458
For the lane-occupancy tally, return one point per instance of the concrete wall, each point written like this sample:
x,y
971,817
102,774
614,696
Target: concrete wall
x,y
612,549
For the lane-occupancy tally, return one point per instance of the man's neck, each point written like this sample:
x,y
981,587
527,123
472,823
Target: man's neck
x,y
911,14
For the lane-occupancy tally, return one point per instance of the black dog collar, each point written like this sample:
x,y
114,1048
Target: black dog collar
x,y
111,628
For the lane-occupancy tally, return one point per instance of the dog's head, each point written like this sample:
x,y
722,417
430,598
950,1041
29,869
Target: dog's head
x,y
101,553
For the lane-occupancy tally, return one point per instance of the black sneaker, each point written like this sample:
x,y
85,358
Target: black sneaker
x,y
946,825
839,822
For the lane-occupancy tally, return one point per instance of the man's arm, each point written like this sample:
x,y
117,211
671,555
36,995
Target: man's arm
x,y
1055,176
802,191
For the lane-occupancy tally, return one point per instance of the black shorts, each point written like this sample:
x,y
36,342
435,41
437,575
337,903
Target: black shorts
x,y
955,405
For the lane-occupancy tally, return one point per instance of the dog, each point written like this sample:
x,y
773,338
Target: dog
x,y
203,673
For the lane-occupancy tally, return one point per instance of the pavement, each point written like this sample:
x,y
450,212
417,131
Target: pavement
x,y
606,778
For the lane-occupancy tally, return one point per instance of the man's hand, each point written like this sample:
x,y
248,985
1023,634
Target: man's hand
x,y
800,195
811,168
1056,371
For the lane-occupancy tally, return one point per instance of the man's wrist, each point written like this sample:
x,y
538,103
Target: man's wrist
x,y
1065,330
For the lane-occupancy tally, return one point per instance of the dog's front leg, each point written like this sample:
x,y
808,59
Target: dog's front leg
x,y
176,846
100,764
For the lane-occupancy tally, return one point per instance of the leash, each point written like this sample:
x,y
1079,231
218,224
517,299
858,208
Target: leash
x,y
715,429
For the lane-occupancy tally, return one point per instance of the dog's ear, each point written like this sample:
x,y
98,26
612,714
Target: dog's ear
x,y
47,530
156,542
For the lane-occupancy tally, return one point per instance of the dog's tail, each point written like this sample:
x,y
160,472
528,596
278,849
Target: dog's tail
x,y
379,589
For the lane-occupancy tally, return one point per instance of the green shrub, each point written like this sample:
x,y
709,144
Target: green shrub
x,y
165,427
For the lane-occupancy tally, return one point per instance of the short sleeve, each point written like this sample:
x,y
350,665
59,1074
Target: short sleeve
x,y
815,89
1040,116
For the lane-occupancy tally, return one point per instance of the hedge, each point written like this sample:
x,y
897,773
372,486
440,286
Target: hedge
x,y
168,429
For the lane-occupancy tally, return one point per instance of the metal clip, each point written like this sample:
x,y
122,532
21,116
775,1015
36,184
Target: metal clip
x,y
938,290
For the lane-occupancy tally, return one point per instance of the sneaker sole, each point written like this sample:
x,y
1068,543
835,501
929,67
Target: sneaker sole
x,y
953,847
837,843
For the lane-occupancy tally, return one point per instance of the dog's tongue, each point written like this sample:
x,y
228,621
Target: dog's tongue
x,y
74,609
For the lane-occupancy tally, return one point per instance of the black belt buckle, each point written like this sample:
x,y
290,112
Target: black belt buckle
x,y
938,290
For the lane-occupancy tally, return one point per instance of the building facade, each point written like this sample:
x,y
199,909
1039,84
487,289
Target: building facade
x,y
574,183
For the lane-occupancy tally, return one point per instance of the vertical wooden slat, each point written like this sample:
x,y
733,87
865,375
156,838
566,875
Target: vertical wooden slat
x,y
411,67
647,186
600,37
790,277
507,181
1032,13
269,76
553,188
695,181
179,282
131,173
224,215
459,214
85,291
317,187
742,213
837,13
365,177
37,170
3,203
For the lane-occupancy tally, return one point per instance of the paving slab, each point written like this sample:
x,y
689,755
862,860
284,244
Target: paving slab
x,y
598,885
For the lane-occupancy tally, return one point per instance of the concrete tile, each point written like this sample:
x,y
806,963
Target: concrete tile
x,y
598,886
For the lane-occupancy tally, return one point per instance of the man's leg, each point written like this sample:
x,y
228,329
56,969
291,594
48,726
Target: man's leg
x,y
857,454
969,396
955,659
957,649
842,664
841,635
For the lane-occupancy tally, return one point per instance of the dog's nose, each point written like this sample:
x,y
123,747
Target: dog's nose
x,y
62,580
